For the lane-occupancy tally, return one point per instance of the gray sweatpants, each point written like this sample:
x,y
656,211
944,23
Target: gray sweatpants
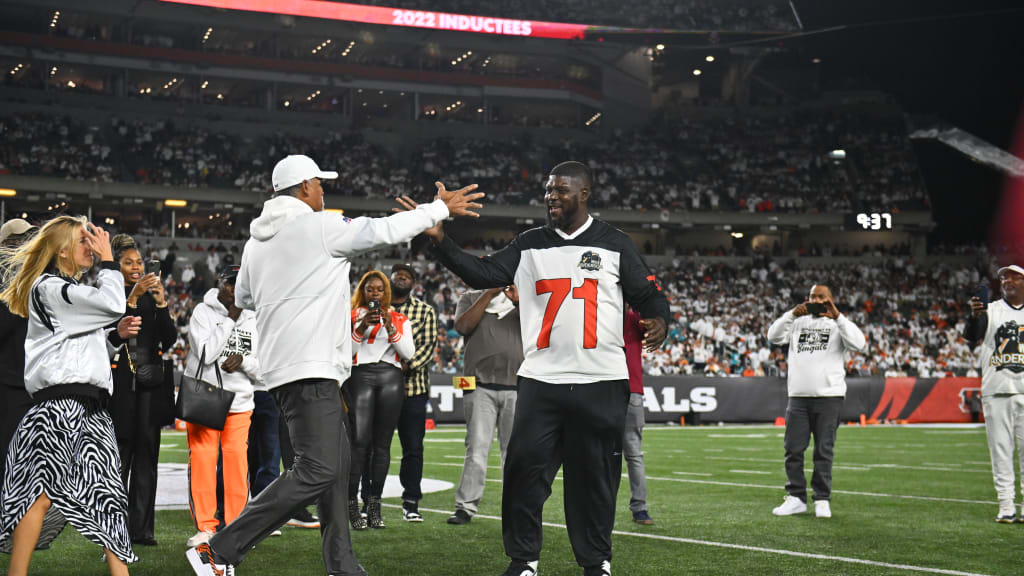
x,y
633,451
484,409
316,426
806,416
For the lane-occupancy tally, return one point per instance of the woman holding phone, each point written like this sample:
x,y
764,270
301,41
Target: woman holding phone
x,y
62,465
143,398
381,340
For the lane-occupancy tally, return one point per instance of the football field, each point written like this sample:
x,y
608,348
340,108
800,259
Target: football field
x,y
907,500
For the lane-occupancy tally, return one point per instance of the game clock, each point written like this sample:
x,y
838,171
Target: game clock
x,y
869,221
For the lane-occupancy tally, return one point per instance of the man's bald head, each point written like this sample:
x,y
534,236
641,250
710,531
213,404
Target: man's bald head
x,y
820,293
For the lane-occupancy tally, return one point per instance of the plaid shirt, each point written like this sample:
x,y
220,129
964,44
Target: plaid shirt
x,y
424,334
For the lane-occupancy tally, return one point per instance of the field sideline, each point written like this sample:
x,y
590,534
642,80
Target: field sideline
x,y
907,500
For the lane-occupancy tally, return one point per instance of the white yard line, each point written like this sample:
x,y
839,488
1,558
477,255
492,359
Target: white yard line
x,y
850,492
855,465
761,472
746,548
694,473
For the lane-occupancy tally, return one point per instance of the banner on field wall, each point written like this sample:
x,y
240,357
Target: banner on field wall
x,y
710,400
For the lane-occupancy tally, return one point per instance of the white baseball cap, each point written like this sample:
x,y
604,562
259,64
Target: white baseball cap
x,y
14,227
1010,268
296,169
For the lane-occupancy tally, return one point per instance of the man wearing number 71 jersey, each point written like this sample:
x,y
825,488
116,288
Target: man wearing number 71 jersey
x,y
573,276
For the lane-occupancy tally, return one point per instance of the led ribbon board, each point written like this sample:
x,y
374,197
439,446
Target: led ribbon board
x,y
411,18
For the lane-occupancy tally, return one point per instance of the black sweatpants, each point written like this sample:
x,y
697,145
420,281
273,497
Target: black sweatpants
x,y
318,434
581,424
375,396
806,416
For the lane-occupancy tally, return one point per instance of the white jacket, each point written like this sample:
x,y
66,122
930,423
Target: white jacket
x,y
295,275
211,328
66,341
817,366
376,346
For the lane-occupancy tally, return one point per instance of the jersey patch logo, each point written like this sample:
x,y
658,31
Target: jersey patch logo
x,y
1007,354
590,261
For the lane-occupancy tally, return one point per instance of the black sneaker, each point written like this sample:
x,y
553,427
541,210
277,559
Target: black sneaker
x,y
304,519
460,517
411,512
520,568
602,569
643,518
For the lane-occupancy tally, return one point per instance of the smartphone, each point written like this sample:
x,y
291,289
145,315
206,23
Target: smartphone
x,y
373,307
816,308
153,267
981,293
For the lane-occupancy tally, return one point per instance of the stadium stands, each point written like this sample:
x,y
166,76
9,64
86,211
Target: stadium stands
x,y
764,161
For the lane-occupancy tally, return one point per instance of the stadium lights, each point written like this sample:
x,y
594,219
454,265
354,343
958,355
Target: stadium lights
x,y
486,62
709,58
220,96
53,71
348,48
593,119
364,103
53,21
287,103
175,203
737,235
479,110
312,96
816,60
660,47
837,154
17,69
71,84
207,35
322,45
205,83
8,192
697,72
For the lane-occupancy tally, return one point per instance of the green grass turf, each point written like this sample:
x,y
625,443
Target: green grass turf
x,y
690,508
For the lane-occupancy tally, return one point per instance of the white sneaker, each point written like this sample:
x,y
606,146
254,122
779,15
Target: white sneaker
x,y
822,509
1007,512
201,537
791,505
275,533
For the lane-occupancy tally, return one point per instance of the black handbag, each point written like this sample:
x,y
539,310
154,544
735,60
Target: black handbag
x,y
201,403
147,373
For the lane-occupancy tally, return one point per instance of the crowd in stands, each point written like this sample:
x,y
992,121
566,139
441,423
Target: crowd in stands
x,y
912,315
756,163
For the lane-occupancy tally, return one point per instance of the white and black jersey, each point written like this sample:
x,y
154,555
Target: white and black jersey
x,y
572,294
1002,349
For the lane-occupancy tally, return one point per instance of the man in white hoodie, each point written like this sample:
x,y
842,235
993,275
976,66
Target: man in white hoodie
x,y
222,335
818,337
295,276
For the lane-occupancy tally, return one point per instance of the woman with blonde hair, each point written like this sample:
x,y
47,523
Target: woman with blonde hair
x,y
381,340
62,465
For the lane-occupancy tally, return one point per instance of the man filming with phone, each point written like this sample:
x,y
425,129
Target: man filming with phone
x,y
818,337
998,327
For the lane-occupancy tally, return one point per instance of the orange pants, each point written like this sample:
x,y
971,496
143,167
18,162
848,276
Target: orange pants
x,y
204,444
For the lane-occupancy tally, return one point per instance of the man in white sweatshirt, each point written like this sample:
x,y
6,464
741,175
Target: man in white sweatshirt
x,y
295,276
818,341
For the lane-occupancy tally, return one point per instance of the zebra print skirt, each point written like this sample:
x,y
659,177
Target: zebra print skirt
x,y
65,448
